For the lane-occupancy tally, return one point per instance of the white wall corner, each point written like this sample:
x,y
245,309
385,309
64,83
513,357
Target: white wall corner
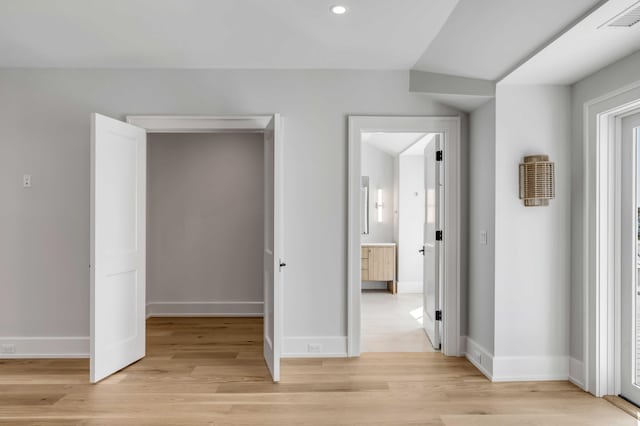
x,y
480,357
530,368
314,347
577,373
45,347
410,287
205,309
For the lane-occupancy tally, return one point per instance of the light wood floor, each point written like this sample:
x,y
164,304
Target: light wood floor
x,y
210,372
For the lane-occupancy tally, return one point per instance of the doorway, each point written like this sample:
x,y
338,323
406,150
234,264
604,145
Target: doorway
x,y
375,249
119,232
630,264
609,254
398,262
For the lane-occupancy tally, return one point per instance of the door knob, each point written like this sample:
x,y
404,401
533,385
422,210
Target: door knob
x,y
421,251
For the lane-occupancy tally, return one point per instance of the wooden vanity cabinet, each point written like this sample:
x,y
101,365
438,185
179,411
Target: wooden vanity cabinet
x,y
378,263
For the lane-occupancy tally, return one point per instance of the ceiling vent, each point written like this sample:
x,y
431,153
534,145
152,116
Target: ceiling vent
x,y
627,18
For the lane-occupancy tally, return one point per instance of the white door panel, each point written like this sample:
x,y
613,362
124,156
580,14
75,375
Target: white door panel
x,y
272,246
118,220
630,367
432,248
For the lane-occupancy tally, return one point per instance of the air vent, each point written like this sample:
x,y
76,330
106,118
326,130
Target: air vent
x,y
626,19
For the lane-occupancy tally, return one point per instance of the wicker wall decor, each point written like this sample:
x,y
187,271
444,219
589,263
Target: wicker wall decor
x,y
537,180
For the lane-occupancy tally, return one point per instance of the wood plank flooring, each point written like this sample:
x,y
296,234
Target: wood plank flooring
x,y
209,371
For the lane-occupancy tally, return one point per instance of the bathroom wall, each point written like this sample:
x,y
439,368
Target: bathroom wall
x,y
410,223
379,166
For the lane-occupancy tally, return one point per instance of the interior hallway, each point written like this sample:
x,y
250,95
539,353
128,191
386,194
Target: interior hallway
x,y
203,371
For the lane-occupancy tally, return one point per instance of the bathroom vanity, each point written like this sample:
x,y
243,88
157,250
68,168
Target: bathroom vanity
x,y
378,263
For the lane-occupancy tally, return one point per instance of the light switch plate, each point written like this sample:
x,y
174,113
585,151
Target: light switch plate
x,y
483,238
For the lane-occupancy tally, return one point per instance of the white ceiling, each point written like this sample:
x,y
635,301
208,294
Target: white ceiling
x,y
417,149
582,50
487,38
252,34
392,143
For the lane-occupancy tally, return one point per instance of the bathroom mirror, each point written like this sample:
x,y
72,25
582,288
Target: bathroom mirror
x,y
364,208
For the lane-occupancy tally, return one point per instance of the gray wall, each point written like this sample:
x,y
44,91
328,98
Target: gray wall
x,y
609,79
532,256
380,167
482,199
205,217
44,116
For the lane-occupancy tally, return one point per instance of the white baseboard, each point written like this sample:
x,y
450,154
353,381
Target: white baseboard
x,y
522,368
530,368
410,286
480,357
330,347
576,373
46,347
205,309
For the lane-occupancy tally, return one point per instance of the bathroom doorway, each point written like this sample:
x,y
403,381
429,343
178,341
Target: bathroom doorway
x,y
392,241
402,267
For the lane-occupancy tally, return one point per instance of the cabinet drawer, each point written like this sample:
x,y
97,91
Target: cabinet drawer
x,y
364,252
364,264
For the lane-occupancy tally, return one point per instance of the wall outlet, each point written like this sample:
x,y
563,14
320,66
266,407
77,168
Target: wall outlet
x,y
26,181
314,348
483,238
8,348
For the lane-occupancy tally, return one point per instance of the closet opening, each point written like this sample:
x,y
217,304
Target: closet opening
x,y
186,248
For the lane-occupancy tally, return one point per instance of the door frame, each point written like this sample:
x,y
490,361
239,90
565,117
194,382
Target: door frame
x,y
600,252
233,123
450,127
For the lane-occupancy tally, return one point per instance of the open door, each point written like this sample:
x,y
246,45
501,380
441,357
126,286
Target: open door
x,y
273,263
118,209
432,313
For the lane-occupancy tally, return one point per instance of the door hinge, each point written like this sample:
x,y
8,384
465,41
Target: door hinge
x,y
438,315
439,155
438,235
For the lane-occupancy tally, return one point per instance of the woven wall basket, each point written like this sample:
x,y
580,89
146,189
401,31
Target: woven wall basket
x,y
537,180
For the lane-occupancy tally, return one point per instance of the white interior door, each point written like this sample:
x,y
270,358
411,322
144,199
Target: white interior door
x,y
273,262
432,247
630,238
118,220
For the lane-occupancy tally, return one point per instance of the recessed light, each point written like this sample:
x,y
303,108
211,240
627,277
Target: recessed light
x,y
338,9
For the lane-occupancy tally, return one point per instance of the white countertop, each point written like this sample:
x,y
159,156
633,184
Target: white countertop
x,y
379,244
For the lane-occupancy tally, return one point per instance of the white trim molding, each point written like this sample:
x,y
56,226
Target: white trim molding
x,y
300,347
205,309
530,368
480,357
516,368
200,124
600,256
576,373
450,128
46,347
